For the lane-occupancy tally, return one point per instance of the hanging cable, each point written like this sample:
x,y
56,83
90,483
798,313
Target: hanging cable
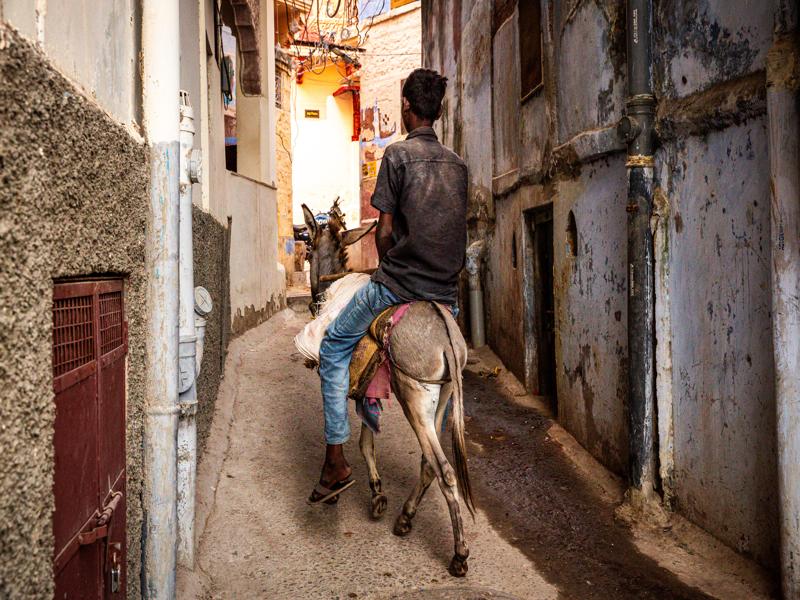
x,y
328,8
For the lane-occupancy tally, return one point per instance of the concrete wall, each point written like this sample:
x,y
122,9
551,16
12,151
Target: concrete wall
x,y
715,374
95,44
75,195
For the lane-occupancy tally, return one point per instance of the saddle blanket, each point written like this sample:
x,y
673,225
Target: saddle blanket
x,y
337,296
370,375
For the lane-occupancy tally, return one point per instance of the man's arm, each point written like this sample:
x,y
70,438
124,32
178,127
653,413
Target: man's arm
x,y
383,235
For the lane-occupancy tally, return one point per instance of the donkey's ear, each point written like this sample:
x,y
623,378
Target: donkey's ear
x,y
351,236
311,222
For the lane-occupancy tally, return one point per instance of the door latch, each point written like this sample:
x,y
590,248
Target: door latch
x,y
101,524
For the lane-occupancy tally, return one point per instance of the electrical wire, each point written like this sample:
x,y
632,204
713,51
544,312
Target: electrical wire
x,y
328,8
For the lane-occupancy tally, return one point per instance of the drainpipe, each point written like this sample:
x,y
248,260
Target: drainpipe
x,y
188,364
476,320
160,85
637,129
783,80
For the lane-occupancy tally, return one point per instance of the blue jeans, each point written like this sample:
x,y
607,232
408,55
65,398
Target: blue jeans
x,y
335,352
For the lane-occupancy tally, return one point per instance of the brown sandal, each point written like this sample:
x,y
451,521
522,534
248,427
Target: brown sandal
x,y
330,495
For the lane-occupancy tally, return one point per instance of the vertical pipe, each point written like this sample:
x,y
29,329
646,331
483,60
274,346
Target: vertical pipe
x,y
783,80
476,316
640,107
187,424
160,71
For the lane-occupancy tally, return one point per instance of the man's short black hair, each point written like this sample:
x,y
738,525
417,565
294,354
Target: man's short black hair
x,y
424,90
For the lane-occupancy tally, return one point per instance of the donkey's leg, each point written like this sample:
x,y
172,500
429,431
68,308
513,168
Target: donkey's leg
x,y
420,406
449,485
402,525
367,445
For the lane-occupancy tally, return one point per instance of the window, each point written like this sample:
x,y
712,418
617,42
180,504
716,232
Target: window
x,y
530,47
228,80
572,236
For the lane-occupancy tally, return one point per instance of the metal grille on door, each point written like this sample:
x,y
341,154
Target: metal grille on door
x,y
89,349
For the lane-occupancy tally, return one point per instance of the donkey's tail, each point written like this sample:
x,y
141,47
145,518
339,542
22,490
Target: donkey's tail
x,y
459,446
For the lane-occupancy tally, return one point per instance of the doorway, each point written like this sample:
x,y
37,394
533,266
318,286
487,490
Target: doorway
x,y
539,297
90,343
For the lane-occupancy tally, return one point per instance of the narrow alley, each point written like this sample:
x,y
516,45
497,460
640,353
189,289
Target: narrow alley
x,y
564,232
545,526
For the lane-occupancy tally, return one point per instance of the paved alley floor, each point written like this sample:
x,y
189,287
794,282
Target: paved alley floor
x,y
541,531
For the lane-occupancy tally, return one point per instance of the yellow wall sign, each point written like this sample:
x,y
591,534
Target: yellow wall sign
x,y
369,169
312,114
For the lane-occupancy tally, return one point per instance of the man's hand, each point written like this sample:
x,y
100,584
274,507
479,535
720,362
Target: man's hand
x,y
383,235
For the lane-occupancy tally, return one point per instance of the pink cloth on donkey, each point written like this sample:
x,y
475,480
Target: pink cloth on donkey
x,y
380,388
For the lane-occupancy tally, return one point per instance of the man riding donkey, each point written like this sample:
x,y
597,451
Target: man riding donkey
x,y
421,193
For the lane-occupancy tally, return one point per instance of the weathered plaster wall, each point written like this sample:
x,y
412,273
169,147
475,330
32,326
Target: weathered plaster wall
x,y
257,281
258,287
211,270
74,196
506,95
95,44
504,312
719,466
591,89
392,52
591,310
722,370
715,375
705,42
283,161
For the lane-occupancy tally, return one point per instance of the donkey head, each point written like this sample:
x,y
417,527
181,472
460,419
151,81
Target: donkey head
x,y
329,247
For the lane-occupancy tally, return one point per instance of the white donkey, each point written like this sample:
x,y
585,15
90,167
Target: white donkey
x,y
428,354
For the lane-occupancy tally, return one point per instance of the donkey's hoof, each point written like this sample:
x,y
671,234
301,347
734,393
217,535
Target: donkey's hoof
x,y
402,526
379,504
458,566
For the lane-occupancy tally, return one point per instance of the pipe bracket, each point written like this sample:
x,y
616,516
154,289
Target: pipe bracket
x,y
188,409
640,160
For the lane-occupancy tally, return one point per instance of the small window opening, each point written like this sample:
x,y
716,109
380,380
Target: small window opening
x,y
228,77
514,250
572,236
530,47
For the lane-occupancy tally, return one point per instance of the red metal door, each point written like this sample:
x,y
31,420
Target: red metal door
x,y
89,350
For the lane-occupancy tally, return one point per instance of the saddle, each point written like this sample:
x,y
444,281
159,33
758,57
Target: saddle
x,y
368,355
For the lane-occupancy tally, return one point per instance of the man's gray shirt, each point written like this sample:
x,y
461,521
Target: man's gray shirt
x,y
424,186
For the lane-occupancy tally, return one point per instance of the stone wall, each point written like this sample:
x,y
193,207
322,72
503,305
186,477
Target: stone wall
x,y
75,196
558,147
211,270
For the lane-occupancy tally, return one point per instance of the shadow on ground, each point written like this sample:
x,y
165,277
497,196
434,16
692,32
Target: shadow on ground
x,y
536,499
